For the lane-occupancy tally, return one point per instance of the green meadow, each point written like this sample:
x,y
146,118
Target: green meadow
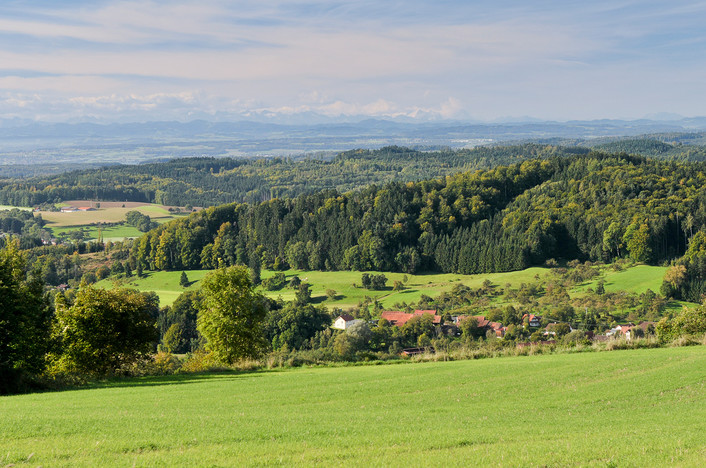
x,y
631,408
166,284
638,278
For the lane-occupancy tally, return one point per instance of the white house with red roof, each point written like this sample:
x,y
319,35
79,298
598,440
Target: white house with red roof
x,y
344,321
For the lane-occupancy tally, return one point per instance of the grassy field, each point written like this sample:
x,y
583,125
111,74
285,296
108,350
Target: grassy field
x,y
166,284
625,408
56,219
113,233
108,212
638,278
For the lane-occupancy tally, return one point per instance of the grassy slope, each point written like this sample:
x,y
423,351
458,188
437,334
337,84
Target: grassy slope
x,y
166,284
627,408
639,278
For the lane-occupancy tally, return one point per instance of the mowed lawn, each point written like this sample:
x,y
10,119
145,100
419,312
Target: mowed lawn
x,y
625,408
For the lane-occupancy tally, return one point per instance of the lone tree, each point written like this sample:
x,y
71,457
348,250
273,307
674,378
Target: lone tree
x,y
183,280
231,315
104,330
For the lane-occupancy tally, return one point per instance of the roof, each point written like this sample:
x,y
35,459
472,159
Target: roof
x,y
396,317
482,321
496,325
645,325
346,317
400,318
436,318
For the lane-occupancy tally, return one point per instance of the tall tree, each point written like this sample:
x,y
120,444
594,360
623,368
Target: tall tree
x,y
231,314
25,319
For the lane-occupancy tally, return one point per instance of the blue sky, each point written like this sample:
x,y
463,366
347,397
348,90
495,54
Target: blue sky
x,y
444,59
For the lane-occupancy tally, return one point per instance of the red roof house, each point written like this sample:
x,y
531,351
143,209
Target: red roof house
x,y
398,318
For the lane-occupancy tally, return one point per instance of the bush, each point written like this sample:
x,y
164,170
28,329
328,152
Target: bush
x,y
689,322
275,283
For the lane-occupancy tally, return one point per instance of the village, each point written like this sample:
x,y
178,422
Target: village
x,y
542,331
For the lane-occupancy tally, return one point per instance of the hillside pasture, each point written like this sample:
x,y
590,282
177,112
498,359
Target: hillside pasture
x,y
625,408
349,291
164,283
637,279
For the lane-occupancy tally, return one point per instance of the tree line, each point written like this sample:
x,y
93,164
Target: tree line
x,y
215,181
596,207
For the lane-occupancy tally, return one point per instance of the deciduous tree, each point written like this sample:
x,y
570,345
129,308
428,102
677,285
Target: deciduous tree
x,y
231,315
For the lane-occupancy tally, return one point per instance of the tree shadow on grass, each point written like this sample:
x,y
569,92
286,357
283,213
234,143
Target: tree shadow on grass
x,y
176,379
157,380
317,299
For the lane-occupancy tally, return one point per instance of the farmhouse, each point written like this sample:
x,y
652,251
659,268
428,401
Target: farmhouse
x,y
68,209
480,320
646,327
86,208
533,320
400,318
344,321
496,327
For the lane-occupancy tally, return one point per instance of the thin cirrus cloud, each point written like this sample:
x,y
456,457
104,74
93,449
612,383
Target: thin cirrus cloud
x,y
443,59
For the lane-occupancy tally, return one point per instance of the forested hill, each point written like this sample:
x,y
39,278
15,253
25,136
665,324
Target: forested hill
x,y
596,206
215,181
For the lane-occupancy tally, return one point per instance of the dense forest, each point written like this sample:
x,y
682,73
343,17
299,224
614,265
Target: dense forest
x,y
207,181
215,181
588,207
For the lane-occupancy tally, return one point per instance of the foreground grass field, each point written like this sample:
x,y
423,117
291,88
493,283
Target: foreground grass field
x,y
624,408
636,279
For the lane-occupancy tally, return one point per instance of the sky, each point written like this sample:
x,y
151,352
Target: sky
x,y
116,60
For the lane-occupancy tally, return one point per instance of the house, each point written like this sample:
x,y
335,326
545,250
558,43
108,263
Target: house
x,y
550,330
481,320
398,318
344,321
625,330
498,328
68,209
646,328
86,208
533,320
